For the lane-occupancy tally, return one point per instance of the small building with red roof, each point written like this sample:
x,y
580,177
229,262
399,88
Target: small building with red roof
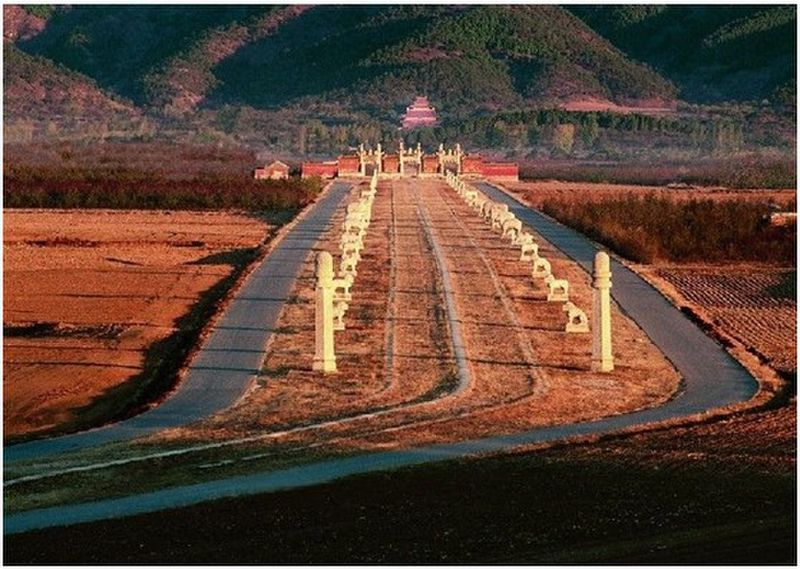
x,y
277,170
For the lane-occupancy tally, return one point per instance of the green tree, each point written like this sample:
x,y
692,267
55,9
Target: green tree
x,y
590,130
564,138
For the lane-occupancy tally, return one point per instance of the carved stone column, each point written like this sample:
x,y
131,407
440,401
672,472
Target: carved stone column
x,y
602,356
324,354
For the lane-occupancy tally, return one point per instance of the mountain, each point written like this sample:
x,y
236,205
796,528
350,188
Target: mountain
x,y
317,76
472,58
118,46
174,58
713,53
38,89
181,82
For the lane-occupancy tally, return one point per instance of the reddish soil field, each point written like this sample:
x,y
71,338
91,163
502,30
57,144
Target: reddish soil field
x,y
751,302
720,491
752,308
86,294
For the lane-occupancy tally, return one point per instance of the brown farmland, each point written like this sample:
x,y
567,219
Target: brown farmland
x,y
716,491
756,305
87,293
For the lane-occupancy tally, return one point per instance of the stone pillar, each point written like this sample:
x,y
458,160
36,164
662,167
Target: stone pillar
x,y
362,163
602,357
401,155
324,354
459,154
379,159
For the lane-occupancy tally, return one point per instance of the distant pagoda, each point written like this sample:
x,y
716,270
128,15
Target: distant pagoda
x,y
420,113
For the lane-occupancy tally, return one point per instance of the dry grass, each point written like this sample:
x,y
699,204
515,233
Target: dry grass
x,y
291,394
752,303
536,193
87,292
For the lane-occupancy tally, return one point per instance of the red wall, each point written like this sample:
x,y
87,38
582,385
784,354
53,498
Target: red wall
x,y
325,170
471,165
348,164
500,170
430,163
391,163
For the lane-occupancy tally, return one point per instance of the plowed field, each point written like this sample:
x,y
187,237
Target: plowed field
x,y
754,304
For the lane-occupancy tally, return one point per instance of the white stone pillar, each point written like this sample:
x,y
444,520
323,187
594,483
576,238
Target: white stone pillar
x,y
400,155
379,159
602,356
324,354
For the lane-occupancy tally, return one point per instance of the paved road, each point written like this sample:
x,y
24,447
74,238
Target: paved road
x,y
233,353
712,379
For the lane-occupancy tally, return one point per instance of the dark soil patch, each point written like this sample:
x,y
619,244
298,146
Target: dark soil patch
x,y
62,242
786,288
59,330
552,507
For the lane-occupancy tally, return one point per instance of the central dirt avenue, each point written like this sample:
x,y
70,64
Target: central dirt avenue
x,y
450,343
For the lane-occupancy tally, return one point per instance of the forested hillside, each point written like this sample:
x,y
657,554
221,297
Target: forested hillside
x,y
467,59
316,79
713,53
367,57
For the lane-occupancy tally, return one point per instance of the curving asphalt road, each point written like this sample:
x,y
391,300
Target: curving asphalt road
x,y
233,353
712,378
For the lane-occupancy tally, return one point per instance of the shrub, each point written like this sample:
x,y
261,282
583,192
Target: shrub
x,y
743,171
649,229
126,189
144,176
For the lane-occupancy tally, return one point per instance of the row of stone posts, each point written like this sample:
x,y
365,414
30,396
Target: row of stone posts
x,y
507,224
333,294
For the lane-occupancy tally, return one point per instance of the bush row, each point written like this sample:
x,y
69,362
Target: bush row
x,y
130,189
649,229
747,171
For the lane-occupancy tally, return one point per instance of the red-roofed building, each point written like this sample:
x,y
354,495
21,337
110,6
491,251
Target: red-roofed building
x,y
419,114
277,170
